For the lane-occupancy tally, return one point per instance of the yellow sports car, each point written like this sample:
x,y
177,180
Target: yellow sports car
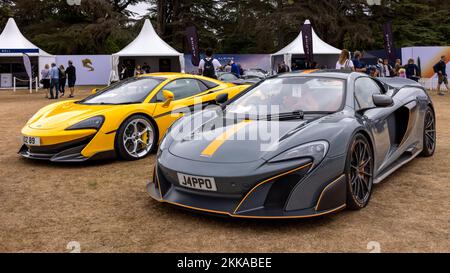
x,y
127,119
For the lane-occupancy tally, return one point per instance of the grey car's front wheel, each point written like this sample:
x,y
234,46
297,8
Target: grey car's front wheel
x,y
359,171
429,133
136,138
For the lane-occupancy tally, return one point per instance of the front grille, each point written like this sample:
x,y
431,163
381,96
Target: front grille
x,y
58,148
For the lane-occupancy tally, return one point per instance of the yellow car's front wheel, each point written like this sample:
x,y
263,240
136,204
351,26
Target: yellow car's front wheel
x,y
136,138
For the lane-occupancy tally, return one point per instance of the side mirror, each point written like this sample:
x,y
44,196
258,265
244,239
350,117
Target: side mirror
x,y
222,98
169,96
382,100
95,90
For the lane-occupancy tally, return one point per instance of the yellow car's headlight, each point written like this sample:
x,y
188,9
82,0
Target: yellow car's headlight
x,y
90,123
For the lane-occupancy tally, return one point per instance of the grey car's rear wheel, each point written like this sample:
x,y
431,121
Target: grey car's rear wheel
x,y
429,133
136,138
359,171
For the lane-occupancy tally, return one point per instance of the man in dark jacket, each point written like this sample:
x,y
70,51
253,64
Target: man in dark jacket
x,y
441,69
71,78
412,71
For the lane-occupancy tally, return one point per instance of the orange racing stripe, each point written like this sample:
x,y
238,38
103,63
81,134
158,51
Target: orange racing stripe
x,y
211,149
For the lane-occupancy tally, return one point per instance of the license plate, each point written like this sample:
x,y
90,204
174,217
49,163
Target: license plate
x,y
31,141
197,182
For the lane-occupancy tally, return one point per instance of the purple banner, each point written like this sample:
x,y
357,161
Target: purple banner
x,y
192,44
389,42
307,42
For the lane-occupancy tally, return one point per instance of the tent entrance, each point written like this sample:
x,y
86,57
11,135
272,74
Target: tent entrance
x,y
322,61
153,63
11,67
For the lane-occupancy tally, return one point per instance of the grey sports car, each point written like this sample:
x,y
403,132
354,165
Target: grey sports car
x,y
294,145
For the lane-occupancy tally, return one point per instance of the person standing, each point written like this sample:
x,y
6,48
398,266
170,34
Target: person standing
x,y
359,65
380,68
283,68
412,71
344,61
122,73
138,71
235,69
54,81
227,67
45,79
397,67
387,69
62,80
209,65
146,68
71,75
441,69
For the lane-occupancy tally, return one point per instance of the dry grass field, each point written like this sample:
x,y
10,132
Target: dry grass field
x,y
104,205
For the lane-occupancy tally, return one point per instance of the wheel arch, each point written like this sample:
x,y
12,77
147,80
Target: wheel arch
x,y
366,134
152,120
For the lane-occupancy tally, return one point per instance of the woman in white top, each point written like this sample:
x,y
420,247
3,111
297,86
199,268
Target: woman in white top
x,y
45,79
344,61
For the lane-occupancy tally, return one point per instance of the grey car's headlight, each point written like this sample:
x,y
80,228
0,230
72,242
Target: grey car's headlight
x,y
90,123
316,150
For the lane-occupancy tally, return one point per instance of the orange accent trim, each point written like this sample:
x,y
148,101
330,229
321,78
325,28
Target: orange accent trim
x,y
220,140
268,180
157,180
292,217
244,216
309,71
252,217
324,189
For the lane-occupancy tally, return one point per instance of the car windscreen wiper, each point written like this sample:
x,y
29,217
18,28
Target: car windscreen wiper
x,y
298,114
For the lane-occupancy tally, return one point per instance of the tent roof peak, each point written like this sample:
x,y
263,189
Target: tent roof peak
x,y
148,43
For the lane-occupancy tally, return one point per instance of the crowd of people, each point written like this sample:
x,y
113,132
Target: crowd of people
x,y
128,70
54,78
384,69
209,66
381,69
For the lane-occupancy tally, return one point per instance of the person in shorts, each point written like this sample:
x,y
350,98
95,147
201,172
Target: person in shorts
x,y
71,78
441,69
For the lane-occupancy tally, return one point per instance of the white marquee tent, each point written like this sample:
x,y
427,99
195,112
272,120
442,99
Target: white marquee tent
x,y
12,46
324,54
150,48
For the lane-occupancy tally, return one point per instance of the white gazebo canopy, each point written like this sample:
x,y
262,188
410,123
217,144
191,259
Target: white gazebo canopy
x,y
14,44
296,48
147,46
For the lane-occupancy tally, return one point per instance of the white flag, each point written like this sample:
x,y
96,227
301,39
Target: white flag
x,y
27,64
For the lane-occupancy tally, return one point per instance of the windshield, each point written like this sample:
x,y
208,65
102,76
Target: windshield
x,y
286,95
134,90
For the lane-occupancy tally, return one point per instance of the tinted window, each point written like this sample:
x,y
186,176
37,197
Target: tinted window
x,y
183,88
364,89
134,90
